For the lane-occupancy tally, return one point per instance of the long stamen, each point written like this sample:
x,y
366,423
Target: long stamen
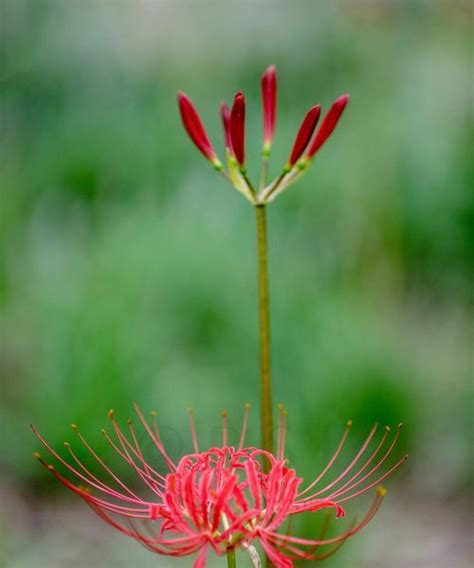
x,y
85,492
352,464
77,473
78,433
148,469
97,480
128,449
192,426
306,542
285,430
154,435
245,423
280,429
331,461
376,482
224,428
348,486
127,459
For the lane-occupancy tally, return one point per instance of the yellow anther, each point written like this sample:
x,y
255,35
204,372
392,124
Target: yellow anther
x,y
152,412
111,413
387,428
67,445
50,467
285,413
349,423
224,414
74,427
381,491
37,455
189,410
104,431
280,407
130,421
247,406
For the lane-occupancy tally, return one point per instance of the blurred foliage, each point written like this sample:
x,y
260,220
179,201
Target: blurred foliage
x,y
128,268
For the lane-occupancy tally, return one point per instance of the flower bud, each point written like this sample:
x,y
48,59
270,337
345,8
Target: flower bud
x,y
328,125
305,133
269,90
237,128
195,129
225,115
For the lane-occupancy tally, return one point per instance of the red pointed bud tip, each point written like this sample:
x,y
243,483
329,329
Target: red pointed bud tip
x,y
225,115
269,91
195,129
328,125
305,133
237,128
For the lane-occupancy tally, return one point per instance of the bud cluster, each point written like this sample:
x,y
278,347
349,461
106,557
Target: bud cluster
x,y
307,142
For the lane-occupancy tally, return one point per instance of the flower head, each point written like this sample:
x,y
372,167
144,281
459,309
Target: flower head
x,y
307,143
221,498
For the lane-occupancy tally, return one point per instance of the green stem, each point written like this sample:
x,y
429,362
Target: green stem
x,y
264,326
264,174
231,562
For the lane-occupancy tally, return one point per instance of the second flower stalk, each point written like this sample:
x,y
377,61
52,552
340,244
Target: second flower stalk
x,y
307,142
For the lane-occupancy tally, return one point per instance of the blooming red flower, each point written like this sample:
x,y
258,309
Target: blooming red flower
x,y
306,144
221,498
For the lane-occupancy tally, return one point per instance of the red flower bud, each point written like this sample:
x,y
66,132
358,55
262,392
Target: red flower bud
x,y
237,127
225,115
304,134
194,127
269,89
328,125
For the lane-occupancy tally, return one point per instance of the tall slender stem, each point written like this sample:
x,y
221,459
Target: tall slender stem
x,y
264,326
231,561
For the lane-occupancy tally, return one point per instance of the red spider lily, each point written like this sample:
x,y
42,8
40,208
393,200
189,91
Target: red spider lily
x,y
234,129
269,91
220,499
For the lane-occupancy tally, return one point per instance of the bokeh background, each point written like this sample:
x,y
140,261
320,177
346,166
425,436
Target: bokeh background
x,y
128,266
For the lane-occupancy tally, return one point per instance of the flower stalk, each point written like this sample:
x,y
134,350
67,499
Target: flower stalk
x,y
264,331
231,561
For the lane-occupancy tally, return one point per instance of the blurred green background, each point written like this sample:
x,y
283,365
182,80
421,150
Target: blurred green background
x,y
128,266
